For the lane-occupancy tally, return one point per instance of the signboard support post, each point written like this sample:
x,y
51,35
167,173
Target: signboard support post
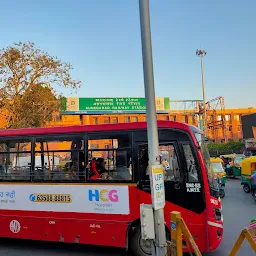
x,y
157,191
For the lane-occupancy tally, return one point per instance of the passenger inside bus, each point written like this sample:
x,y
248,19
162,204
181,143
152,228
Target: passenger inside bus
x,y
97,170
92,170
123,166
77,161
169,163
144,165
101,169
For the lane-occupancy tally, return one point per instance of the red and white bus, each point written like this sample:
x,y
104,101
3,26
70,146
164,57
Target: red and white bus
x,y
85,184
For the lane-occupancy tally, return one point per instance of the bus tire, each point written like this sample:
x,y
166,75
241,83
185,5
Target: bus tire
x,y
138,245
246,188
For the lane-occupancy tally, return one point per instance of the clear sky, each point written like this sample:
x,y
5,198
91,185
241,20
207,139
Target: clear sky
x,y
101,39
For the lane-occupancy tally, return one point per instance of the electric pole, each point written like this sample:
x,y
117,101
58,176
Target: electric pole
x,y
158,195
201,54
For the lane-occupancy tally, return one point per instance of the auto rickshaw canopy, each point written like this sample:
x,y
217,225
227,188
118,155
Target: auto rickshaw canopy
x,y
236,159
248,165
216,160
232,156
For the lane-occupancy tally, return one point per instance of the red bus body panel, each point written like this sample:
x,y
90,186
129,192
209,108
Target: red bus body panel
x,y
92,228
107,229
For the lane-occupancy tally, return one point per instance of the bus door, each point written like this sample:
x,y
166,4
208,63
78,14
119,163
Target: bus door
x,y
175,189
195,197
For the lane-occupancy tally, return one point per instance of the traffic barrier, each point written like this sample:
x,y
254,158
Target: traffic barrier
x,y
179,228
249,234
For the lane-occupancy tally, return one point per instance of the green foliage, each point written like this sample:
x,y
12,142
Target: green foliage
x,y
40,105
28,80
230,147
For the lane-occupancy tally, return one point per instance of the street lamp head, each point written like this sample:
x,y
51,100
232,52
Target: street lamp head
x,y
200,52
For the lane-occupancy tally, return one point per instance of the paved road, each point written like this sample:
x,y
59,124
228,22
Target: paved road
x,y
27,248
239,208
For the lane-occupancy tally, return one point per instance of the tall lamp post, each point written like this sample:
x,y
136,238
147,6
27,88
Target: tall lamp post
x,y
201,54
158,198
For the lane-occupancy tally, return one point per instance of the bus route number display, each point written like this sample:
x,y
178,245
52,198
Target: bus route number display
x,y
51,198
158,187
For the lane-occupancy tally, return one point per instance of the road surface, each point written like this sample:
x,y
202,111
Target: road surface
x,y
239,208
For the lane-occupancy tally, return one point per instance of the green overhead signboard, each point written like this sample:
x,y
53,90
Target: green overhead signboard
x,y
73,106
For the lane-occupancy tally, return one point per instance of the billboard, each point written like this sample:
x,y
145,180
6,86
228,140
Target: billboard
x,y
248,122
90,106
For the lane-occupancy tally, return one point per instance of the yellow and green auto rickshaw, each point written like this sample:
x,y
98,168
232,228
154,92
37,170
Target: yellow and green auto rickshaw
x,y
217,165
233,164
248,167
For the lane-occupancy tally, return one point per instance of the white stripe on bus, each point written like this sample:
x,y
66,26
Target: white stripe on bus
x,y
215,224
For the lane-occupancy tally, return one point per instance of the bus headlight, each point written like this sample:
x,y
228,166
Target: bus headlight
x,y
218,214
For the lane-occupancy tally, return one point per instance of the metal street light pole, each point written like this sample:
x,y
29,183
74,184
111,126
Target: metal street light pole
x,y
201,54
153,142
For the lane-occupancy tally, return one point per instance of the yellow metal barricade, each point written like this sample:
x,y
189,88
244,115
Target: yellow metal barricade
x,y
178,227
250,235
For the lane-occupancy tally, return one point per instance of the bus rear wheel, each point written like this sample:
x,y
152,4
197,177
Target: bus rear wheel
x,y
142,247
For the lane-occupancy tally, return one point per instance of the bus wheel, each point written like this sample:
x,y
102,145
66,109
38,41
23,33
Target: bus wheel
x,y
139,246
142,247
246,188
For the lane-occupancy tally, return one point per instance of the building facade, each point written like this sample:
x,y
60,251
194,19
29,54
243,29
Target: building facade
x,y
223,124
227,127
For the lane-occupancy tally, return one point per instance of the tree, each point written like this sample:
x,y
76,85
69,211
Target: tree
x,y
28,77
38,110
217,149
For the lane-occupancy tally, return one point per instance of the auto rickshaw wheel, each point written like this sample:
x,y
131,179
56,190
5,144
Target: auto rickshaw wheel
x,y
254,195
246,188
222,193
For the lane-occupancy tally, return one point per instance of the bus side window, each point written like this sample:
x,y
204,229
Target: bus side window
x,y
190,163
15,160
59,158
109,157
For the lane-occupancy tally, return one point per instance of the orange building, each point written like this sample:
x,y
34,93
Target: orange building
x,y
223,124
228,128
